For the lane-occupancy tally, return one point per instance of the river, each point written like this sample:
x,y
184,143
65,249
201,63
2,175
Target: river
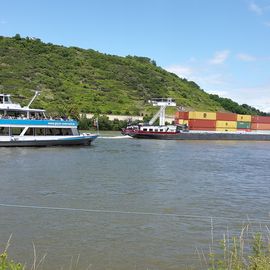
x,y
130,204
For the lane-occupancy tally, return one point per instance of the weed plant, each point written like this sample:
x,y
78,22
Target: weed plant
x,y
247,251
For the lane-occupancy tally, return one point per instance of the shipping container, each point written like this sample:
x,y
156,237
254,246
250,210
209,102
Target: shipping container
x,y
241,125
197,123
226,116
202,115
181,122
243,118
260,119
181,115
260,126
203,129
226,129
226,124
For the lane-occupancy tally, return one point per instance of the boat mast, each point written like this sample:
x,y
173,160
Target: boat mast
x,y
31,101
162,103
33,98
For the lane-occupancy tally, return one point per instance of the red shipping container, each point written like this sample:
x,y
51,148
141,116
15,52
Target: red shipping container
x,y
221,116
260,119
260,126
181,115
200,128
196,123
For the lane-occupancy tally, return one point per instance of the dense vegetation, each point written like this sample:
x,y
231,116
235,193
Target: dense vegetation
x,y
101,123
234,107
75,80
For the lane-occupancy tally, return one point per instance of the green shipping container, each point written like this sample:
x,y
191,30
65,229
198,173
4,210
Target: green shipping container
x,y
241,124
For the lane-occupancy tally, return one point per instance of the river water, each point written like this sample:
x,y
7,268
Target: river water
x,y
130,204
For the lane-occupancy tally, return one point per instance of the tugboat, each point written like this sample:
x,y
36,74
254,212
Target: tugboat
x,y
23,126
182,132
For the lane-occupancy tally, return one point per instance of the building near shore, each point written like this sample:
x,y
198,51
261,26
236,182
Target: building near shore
x,y
131,118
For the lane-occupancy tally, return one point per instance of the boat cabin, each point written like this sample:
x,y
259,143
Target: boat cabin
x,y
10,110
157,128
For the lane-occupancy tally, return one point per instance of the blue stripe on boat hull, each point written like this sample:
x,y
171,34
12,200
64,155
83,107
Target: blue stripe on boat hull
x,y
28,122
84,140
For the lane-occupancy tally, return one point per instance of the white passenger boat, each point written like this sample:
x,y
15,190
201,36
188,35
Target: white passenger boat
x,y
23,126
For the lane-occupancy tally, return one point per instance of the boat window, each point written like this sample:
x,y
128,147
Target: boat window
x,y
150,129
4,131
39,131
156,130
6,100
161,130
16,131
54,131
13,114
60,132
57,131
30,132
75,131
145,129
66,131
48,131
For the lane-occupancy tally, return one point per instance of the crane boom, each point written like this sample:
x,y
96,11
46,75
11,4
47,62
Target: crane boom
x,y
162,103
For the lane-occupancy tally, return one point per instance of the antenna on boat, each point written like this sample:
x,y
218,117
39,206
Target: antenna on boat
x,y
162,103
97,126
37,93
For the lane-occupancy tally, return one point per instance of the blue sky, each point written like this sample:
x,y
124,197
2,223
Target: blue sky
x,y
222,45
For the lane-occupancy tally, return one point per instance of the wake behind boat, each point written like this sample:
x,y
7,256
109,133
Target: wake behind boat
x,y
23,126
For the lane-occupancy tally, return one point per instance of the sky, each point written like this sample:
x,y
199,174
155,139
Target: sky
x,y
222,45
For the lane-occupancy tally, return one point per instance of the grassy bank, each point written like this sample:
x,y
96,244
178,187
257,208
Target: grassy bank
x,y
248,250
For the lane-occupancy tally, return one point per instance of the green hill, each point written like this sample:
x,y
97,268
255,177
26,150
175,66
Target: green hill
x,y
89,81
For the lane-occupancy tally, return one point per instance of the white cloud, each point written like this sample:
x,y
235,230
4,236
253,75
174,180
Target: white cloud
x,y
212,80
222,80
221,93
181,71
258,97
219,57
255,8
246,57
203,73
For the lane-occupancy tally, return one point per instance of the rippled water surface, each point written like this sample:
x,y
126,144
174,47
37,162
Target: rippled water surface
x,y
129,204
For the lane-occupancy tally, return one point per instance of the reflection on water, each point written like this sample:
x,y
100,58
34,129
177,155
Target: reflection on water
x,y
228,181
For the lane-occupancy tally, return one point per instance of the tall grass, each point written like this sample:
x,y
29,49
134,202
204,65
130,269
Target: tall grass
x,y
7,264
246,251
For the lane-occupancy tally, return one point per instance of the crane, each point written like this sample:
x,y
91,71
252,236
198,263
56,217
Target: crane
x,y
162,103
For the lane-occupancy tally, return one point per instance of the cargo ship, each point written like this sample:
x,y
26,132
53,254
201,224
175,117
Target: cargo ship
x,y
201,126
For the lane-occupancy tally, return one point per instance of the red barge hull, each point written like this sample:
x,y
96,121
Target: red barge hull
x,y
199,136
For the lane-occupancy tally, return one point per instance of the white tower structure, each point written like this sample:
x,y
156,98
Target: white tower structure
x,y
162,103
